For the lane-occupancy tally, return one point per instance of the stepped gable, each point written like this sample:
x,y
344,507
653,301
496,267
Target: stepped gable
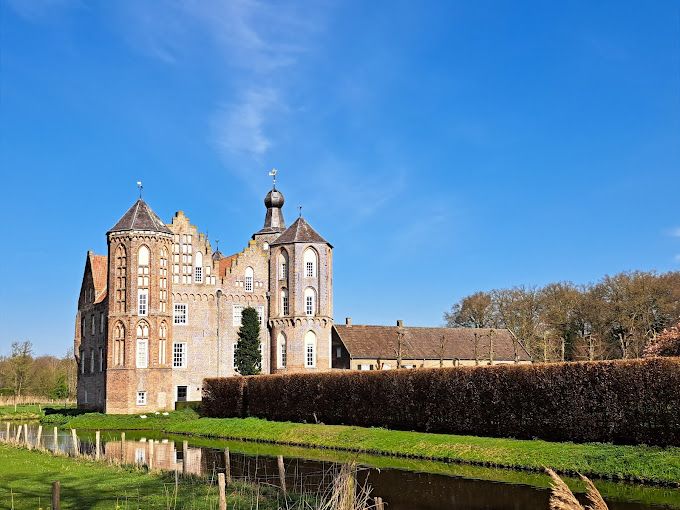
x,y
300,232
425,343
99,265
140,217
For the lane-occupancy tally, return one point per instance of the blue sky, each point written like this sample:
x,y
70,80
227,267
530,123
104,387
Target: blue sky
x,y
441,147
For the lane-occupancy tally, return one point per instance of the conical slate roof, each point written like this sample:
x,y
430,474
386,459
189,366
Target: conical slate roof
x,y
141,217
300,232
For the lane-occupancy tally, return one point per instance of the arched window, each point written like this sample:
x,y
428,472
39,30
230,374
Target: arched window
x,y
310,301
282,350
283,265
310,349
249,279
143,281
162,339
120,278
119,345
198,268
163,282
284,302
309,259
142,345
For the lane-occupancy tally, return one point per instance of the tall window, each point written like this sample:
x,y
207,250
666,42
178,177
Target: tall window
x,y
143,281
119,345
163,282
120,278
310,263
179,355
283,265
101,322
91,361
282,350
198,268
310,349
310,301
92,325
233,353
82,361
101,359
162,339
142,345
249,279
284,302
180,316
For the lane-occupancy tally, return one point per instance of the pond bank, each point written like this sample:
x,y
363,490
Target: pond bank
x,y
641,464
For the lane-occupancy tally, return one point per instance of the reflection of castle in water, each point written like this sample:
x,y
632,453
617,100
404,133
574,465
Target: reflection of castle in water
x,y
157,454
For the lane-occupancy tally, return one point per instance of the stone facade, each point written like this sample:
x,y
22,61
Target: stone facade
x,y
162,311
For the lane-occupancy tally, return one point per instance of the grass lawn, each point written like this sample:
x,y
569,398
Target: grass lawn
x,y
26,480
28,411
597,460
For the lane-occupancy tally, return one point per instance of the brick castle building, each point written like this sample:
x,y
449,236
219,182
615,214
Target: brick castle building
x,y
162,310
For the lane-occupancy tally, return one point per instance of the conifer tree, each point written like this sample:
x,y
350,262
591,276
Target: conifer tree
x,y
247,356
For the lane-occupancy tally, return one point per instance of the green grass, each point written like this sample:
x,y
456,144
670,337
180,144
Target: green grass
x,y
28,411
637,463
26,480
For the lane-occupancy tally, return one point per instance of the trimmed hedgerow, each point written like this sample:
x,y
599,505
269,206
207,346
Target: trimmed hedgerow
x,y
623,401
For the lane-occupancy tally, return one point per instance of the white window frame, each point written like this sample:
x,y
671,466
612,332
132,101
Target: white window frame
x,y
249,280
141,398
285,303
143,302
282,351
310,302
179,355
310,349
142,350
180,316
284,270
198,274
238,311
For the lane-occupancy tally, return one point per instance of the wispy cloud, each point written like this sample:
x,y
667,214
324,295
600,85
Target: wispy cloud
x,y
674,232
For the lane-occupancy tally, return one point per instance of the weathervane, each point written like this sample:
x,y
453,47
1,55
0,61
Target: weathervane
x,y
139,185
217,241
273,174
300,207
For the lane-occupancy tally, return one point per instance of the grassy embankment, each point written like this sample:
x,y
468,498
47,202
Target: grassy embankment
x,y
596,460
28,411
26,482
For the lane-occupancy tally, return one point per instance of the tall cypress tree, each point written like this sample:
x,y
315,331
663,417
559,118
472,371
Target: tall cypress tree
x,y
247,356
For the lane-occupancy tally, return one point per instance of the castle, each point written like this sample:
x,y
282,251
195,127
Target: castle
x,y
161,311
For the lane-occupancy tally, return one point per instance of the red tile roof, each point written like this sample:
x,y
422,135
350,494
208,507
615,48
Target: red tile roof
x,y
99,264
372,342
226,263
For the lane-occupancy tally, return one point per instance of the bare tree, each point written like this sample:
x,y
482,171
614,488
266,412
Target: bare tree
x,y
20,362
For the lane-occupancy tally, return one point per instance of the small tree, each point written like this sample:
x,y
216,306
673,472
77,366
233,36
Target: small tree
x,y
20,362
248,356
666,343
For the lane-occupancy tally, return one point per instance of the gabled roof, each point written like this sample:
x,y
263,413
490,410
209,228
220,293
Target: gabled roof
x,y
99,264
140,217
226,263
300,232
372,342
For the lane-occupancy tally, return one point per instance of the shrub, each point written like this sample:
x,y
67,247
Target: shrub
x,y
623,401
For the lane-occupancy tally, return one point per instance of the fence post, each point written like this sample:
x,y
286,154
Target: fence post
x,y
56,497
56,440
97,450
227,466
122,447
282,474
76,450
185,455
221,487
37,439
19,429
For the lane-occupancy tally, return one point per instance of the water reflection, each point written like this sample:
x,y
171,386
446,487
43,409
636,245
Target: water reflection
x,y
401,489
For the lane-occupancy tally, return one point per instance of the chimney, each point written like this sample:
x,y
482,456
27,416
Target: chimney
x,y
348,321
400,324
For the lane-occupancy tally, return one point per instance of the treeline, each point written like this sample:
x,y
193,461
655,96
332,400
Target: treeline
x,y
48,376
618,317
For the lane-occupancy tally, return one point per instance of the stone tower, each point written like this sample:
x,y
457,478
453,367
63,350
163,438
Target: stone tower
x,y
139,337
301,300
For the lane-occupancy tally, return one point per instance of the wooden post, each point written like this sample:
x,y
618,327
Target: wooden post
x,y
185,455
56,498
282,474
151,454
97,450
122,447
379,504
221,487
56,440
19,428
76,450
37,439
28,445
227,466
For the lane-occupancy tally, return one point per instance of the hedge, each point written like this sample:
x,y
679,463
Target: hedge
x,y
623,401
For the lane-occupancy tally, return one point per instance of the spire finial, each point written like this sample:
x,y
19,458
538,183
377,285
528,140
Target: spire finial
x,y
217,242
300,208
273,174
139,185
